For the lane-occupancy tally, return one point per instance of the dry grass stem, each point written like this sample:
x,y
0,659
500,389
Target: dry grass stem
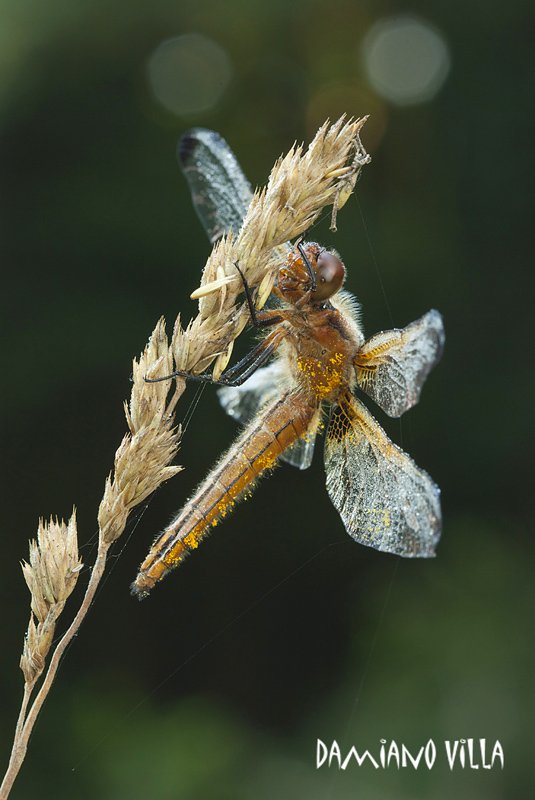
x,y
300,186
141,464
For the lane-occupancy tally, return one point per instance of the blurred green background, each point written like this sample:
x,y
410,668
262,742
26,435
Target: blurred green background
x,y
280,629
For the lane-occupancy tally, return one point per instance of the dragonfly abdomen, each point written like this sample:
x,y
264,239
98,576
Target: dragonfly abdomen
x,y
255,451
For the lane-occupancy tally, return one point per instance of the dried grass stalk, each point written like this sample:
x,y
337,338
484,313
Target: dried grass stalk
x,y
300,186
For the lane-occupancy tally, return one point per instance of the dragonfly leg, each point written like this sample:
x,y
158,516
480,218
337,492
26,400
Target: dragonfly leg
x,y
306,262
239,373
260,319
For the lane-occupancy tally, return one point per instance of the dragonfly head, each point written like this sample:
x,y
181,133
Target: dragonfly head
x,y
329,273
312,269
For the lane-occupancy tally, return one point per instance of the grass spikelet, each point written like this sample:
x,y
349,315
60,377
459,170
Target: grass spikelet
x,y
301,184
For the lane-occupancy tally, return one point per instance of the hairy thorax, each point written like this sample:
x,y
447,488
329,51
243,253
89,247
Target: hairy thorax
x,y
324,349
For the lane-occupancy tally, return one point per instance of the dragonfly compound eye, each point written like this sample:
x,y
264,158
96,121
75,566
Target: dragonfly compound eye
x,y
330,274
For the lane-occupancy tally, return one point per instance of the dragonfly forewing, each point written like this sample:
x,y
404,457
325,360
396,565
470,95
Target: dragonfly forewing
x,y
392,365
220,191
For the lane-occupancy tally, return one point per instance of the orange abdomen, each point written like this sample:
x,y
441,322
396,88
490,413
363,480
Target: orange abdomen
x,y
256,450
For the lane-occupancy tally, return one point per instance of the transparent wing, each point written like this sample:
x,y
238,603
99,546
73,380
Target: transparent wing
x,y
264,385
220,191
384,499
243,402
393,365
301,452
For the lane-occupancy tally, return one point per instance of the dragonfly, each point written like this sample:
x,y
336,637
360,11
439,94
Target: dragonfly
x,y
320,361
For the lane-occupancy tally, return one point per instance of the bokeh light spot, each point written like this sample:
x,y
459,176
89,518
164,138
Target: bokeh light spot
x,y
189,73
407,59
